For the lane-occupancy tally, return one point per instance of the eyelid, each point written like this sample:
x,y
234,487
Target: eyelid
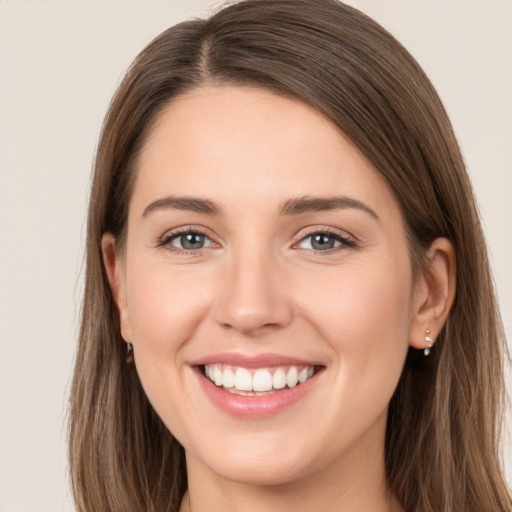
x,y
346,239
165,239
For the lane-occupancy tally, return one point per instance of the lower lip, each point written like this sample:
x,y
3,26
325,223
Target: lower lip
x,y
255,406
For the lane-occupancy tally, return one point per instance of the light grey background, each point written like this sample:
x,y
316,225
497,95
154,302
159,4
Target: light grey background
x,y
60,62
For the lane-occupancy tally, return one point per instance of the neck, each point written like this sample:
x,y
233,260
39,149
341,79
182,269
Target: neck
x,y
355,482
283,498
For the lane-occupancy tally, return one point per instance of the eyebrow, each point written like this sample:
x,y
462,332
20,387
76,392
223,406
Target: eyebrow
x,y
194,204
316,204
294,206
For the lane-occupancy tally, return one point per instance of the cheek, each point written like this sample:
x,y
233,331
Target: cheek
x,y
364,313
165,306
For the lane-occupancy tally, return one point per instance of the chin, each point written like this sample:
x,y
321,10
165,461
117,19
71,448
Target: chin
x,y
260,472
258,462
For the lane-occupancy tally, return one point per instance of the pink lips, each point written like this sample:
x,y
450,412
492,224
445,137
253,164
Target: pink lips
x,y
250,361
253,406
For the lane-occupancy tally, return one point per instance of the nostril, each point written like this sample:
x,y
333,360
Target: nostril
x,y
261,317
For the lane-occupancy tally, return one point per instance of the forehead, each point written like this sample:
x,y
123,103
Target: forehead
x,y
249,145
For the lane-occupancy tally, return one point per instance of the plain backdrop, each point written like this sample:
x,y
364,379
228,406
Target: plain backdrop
x,y
60,62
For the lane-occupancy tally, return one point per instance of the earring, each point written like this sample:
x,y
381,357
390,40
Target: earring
x,y
429,341
129,353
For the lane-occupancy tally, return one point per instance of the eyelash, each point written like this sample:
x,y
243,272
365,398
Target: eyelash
x,y
165,241
346,242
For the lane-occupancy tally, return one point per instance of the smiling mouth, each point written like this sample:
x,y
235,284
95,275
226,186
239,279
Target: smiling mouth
x,y
257,382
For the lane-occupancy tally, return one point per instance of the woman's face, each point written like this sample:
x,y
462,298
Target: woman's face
x,y
264,254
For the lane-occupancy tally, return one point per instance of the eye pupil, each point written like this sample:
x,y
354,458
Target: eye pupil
x,y
192,241
322,242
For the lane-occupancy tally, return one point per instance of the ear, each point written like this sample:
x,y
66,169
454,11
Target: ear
x,y
434,293
114,267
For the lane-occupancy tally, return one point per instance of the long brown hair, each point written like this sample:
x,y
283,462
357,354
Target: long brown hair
x,y
442,437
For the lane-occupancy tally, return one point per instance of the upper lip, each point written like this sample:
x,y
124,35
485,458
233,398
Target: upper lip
x,y
252,361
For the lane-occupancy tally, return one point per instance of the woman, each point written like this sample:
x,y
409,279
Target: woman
x,y
281,305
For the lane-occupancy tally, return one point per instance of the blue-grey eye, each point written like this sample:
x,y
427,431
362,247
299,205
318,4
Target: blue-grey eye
x,y
320,242
190,241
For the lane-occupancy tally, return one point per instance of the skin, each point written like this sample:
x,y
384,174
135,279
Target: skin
x,y
259,286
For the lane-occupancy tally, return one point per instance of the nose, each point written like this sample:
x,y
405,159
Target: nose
x,y
254,298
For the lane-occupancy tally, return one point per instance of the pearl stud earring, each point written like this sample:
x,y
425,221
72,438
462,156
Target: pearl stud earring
x,y
429,341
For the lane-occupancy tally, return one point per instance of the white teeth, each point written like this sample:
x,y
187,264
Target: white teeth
x,y
292,377
243,380
217,376
279,379
229,379
303,375
261,380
